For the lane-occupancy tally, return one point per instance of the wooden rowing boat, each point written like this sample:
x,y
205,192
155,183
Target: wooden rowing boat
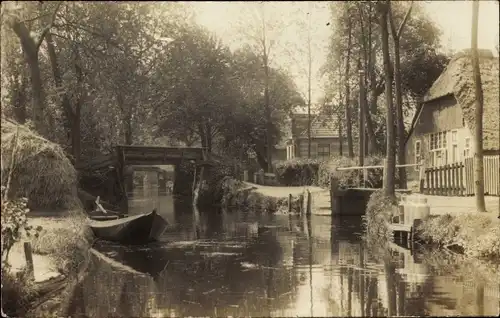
x,y
135,229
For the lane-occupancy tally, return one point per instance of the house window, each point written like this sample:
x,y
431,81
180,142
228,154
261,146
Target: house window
x,y
467,148
438,142
454,146
324,151
418,152
290,152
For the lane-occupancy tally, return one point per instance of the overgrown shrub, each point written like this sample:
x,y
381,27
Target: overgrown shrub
x,y
215,181
14,224
297,172
378,214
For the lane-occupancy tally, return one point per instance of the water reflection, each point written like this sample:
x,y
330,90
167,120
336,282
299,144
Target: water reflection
x,y
244,264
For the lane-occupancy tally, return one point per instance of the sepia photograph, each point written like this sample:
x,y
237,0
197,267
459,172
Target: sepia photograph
x,y
250,159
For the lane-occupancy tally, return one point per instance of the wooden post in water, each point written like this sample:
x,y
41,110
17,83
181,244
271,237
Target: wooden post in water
x,y
162,182
301,203
290,203
309,204
334,199
28,253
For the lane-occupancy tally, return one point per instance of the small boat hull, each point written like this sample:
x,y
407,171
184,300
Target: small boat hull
x,y
136,229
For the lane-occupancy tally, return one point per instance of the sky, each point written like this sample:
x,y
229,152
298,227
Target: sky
x,y
453,17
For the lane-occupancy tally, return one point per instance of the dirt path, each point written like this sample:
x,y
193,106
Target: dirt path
x,y
282,192
320,204
454,205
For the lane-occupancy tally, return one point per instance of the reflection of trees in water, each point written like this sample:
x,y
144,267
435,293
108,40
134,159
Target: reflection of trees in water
x,y
106,291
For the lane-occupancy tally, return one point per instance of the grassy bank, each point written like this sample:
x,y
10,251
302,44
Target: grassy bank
x,y
60,250
244,196
474,235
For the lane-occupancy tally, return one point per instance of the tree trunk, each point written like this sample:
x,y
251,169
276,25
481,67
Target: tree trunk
x,y
389,171
65,102
268,117
19,99
372,141
348,95
309,90
127,119
396,36
399,116
31,48
361,146
341,141
478,135
75,125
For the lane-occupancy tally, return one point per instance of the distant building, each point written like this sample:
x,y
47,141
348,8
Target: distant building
x,y
294,142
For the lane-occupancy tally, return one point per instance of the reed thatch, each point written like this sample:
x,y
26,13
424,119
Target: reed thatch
x,y
457,80
40,171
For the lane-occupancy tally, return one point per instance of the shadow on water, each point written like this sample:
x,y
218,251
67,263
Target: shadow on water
x,y
246,264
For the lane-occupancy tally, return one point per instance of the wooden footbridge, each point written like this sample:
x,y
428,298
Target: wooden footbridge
x,y
108,175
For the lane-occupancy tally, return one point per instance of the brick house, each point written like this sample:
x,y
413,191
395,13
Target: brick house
x,y
324,137
442,129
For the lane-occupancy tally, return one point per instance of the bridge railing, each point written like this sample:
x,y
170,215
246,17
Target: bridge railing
x,y
383,167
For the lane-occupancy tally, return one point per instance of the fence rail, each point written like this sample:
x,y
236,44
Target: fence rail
x,y
457,179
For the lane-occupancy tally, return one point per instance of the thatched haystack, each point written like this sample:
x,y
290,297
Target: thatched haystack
x,y
41,171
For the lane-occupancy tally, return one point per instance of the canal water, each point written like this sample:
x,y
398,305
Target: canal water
x,y
243,264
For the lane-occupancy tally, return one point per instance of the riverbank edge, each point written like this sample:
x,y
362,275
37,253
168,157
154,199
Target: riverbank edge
x,y
60,253
473,235
240,195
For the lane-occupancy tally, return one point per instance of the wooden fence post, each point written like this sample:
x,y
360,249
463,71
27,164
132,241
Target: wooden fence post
x,y
461,178
446,182
421,176
432,189
28,253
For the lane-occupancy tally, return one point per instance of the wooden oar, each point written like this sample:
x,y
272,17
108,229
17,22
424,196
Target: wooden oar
x,y
100,206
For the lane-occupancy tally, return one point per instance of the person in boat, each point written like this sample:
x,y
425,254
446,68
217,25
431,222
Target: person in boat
x,y
170,186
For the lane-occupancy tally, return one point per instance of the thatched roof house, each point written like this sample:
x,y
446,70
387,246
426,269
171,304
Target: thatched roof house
x,y
458,80
443,127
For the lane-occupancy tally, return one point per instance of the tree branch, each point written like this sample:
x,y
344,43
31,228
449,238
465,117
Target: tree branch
x,y
51,23
391,22
407,15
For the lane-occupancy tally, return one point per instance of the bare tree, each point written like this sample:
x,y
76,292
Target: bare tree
x,y
309,58
478,134
389,169
396,36
347,104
